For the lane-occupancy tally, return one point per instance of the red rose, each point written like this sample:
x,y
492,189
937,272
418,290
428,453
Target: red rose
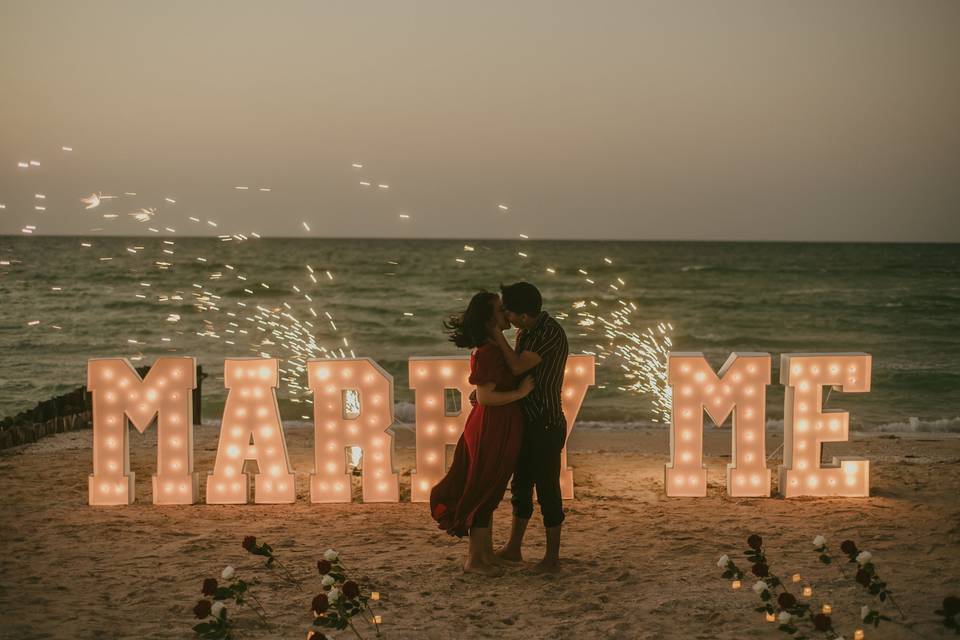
x,y
951,606
249,543
202,609
755,542
786,600
761,570
209,587
849,547
350,589
863,578
324,567
315,635
822,622
320,604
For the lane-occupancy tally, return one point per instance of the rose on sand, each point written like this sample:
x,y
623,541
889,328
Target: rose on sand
x,y
209,587
760,586
331,555
723,561
755,542
863,578
864,557
785,617
761,570
327,581
249,543
822,622
320,604
227,573
786,600
217,608
324,567
819,541
333,595
350,590
849,547
202,609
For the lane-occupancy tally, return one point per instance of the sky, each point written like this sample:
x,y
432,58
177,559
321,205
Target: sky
x,y
765,120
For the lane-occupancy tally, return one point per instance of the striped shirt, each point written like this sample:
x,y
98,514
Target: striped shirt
x,y
549,341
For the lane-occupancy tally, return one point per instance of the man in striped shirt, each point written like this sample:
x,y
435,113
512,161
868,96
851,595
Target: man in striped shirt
x,y
541,346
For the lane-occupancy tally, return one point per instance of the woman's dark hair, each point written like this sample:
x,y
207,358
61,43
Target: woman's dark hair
x,y
469,329
521,297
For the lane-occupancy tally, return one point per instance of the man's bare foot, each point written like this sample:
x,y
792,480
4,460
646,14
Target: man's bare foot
x,y
510,555
482,569
547,566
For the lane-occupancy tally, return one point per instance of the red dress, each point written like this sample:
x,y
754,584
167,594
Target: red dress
x,y
486,453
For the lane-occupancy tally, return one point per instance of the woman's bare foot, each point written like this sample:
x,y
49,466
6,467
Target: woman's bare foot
x,y
482,568
509,555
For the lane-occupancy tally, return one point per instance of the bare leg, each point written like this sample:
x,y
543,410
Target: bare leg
x,y
511,550
476,562
551,559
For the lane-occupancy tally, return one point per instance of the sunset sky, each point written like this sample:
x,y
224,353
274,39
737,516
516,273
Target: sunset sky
x,y
764,120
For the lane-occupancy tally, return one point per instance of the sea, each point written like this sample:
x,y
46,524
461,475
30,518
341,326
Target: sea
x,y
66,299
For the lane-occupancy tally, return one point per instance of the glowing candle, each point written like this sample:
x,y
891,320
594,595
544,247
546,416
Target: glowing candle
x,y
739,388
858,634
251,430
807,592
336,430
735,584
796,577
806,426
378,619
374,595
771,617
826,609
118,394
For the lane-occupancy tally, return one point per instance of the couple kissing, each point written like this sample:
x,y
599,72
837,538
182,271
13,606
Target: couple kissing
x,y
515,428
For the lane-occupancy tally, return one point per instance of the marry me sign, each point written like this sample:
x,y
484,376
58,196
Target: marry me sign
x,y
251,429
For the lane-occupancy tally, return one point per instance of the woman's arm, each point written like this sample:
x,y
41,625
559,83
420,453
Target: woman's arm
x,y
516,362
490,398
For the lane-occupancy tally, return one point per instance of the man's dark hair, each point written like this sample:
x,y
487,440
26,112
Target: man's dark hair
x,y
521,297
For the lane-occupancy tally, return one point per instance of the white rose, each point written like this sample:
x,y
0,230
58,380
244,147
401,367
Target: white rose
x,y
217,608
785,617
327,581
723,561
227,572
333,595
759,586
864,612
864,557
331,555
819,541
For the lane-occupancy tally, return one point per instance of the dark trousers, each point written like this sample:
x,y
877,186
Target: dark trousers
x,y
538,465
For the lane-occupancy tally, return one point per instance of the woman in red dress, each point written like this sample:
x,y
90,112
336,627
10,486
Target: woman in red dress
x,y
486,454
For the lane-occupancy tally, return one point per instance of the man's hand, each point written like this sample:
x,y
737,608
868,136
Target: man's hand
x,y
473,398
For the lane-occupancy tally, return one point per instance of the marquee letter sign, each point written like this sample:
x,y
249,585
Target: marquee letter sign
x,y
334,430
251,430
577,377
430,378
806,426
740,388
119,393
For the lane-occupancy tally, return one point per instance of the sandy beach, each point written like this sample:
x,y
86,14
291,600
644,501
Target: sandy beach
x,y
636,564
